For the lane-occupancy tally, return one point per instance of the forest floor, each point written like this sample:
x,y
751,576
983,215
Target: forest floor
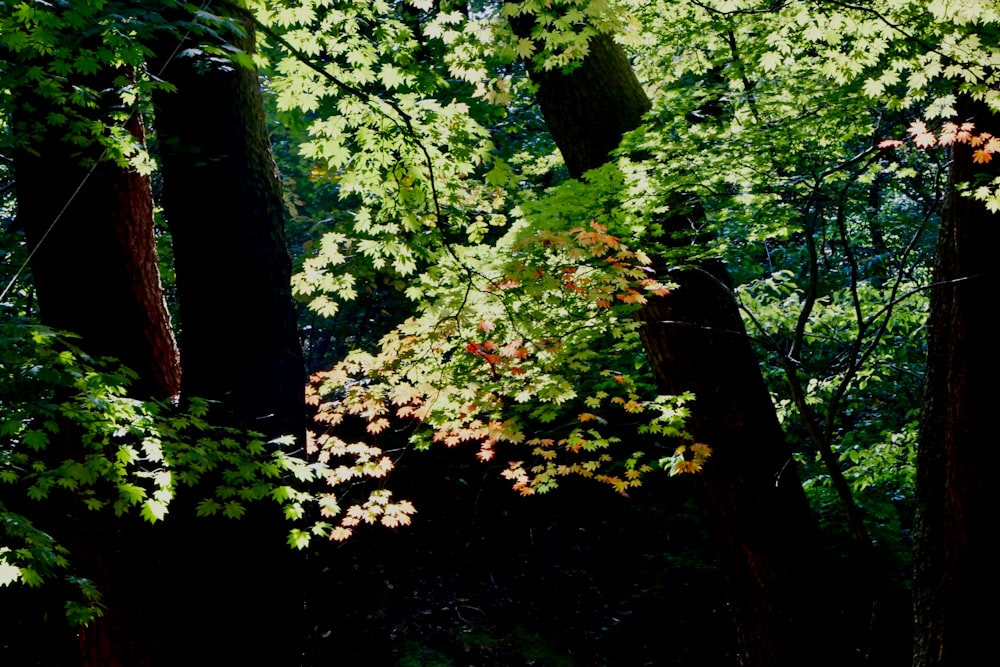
x,y
485,577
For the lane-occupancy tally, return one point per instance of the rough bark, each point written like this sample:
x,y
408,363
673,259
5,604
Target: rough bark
x,y
766,539
223,204
956,577
234,598
95,270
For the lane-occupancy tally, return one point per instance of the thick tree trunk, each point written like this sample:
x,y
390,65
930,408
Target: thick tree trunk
x,y
764,533
95,270
224,208
96,274
234,597
956,578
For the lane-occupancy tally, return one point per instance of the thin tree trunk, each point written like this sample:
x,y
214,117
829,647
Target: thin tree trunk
x,y
766,538
956,579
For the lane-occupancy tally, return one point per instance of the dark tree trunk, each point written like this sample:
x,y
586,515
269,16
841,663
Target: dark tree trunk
x,y
96,274
234,596
95,270
589,110
764,533
956,578
224,208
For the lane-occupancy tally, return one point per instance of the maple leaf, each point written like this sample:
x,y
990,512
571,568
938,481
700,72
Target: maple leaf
x,y
922,137
486,326
632,296
917,127
701,449
340,533
950,134
890,143
511,349
378,426
981,156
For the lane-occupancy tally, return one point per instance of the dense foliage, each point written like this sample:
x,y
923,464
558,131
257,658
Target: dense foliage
x,y
457,288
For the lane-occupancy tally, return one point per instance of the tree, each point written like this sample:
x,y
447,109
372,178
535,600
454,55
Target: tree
x,y
695,340
223,198
89,222
955,465
540,325
239,343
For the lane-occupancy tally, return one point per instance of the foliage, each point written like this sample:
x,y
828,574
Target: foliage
x,y
490,359
133,456
425,186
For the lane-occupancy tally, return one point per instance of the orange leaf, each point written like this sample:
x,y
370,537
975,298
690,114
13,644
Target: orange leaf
x,y
890,143
981,156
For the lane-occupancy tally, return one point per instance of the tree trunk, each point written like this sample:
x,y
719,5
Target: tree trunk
x,y
224,209
234,596
956,577
766,538
763,531
96,274
96,271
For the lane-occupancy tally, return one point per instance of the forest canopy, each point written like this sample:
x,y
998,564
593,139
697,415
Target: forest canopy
x,y
261,259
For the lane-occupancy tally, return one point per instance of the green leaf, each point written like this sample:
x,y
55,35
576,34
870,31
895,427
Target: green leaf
x,y
234,510
153,510
298,539
208,507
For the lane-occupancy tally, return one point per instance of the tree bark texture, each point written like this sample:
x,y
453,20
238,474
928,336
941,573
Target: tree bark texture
x,y
224,208
956,578
96,271
766,538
